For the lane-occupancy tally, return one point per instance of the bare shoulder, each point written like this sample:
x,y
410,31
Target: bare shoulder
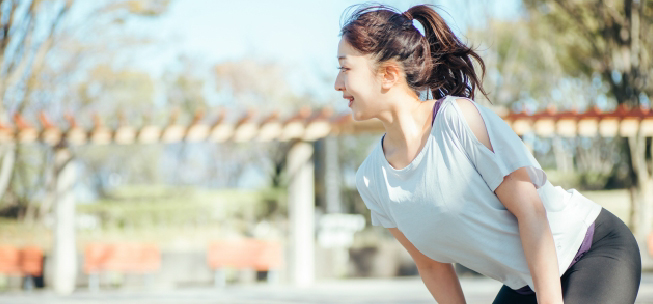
x,y
467,107
474,121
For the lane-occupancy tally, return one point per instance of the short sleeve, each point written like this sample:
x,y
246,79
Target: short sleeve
x,y
509,154
365,186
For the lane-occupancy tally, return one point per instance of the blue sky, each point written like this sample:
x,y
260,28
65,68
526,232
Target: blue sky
x,y
300,35
289,30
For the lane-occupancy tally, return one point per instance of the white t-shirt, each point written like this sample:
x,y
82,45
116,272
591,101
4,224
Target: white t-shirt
x,y
444,201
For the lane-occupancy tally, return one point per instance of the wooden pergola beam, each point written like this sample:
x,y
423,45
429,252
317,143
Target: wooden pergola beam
x,y
309,125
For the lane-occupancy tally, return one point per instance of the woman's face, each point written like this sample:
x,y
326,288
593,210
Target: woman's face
x,y
357,82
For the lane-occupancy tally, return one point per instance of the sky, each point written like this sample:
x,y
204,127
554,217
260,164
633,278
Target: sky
x,y
302,35
288,30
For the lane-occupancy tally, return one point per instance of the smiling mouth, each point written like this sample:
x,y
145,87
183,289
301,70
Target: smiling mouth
x,y
351,100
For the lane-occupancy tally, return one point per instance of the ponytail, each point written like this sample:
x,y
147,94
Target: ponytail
x,y
437,62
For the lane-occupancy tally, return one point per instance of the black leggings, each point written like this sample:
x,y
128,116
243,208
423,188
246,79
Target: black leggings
x,y
609,272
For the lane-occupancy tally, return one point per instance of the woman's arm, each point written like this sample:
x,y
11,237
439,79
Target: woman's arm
x,y
440,278
518,194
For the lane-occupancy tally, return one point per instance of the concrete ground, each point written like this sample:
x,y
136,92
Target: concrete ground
x,y
372,291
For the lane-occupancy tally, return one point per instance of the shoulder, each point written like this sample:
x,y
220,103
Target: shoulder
x,y
465,115
455,108
468,108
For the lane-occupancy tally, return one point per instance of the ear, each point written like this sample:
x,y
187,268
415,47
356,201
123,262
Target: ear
x,y
390,75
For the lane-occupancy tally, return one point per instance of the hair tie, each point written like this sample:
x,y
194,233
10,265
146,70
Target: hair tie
x,y
409,16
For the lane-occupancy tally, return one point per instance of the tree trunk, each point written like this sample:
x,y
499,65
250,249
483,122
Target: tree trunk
x,y
564,159
8,161
643,221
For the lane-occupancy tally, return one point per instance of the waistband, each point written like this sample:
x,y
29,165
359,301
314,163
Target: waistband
x,y
584,248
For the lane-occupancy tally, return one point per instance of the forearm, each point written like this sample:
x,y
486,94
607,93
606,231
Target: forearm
x,y
442,282
539,250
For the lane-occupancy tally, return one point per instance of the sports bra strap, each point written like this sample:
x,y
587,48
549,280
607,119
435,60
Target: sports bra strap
x,y
436,107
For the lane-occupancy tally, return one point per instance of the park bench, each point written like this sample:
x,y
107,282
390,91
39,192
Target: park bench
x,y
253,254
26,262
135,258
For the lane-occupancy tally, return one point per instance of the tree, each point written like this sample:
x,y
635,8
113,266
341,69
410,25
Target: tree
x,y
613,39
258,84
42,51
518,66
263,86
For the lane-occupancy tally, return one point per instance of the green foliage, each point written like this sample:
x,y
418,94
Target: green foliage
x,y
579,181
611,38
125,89
148,206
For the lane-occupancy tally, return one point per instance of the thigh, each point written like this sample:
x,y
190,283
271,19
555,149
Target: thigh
x,y
610,271
508,296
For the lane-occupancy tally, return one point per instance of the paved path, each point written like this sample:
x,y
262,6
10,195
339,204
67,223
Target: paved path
x,y
373,291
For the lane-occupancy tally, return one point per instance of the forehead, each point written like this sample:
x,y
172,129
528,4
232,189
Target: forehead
x,y
346,51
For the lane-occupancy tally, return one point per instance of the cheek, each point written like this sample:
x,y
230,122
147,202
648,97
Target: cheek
x,y
360,85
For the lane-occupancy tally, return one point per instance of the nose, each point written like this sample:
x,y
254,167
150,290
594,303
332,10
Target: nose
x,y
339,85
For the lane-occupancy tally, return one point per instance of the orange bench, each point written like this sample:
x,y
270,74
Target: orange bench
x,y
26,261
119,257
9,260
244,254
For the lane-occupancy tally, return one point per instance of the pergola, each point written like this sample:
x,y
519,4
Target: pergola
x,y
310,125
304,127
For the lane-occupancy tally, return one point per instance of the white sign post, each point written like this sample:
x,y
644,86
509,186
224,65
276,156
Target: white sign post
x,y
337,232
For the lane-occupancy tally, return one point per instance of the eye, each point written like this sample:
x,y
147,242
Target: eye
x,y
342,68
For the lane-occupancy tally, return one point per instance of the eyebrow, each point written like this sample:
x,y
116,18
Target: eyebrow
x,y
341,57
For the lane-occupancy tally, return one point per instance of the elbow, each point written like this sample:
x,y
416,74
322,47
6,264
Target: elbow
x,y
430,266
437,271
529,209
537,211
535,215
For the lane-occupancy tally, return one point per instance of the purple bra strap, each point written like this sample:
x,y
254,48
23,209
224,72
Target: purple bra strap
x,y
436,106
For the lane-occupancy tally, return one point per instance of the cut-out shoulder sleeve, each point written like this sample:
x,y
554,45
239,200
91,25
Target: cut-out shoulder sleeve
x,y
509,154
365,186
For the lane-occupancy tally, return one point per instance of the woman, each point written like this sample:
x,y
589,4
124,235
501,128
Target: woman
x,y
454,184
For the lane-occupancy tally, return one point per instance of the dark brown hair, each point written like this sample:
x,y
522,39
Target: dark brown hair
x,y
438,61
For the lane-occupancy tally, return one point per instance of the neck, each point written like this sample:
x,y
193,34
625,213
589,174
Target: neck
x,y
407,120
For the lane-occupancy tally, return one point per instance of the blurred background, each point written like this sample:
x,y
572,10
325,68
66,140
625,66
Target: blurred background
x,y
172,144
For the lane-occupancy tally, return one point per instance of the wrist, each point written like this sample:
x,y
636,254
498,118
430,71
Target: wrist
x,y
550,301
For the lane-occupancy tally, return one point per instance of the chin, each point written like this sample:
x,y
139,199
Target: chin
x,y
356,116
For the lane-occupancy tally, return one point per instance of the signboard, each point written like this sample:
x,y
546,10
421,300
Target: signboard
x,y
337,229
